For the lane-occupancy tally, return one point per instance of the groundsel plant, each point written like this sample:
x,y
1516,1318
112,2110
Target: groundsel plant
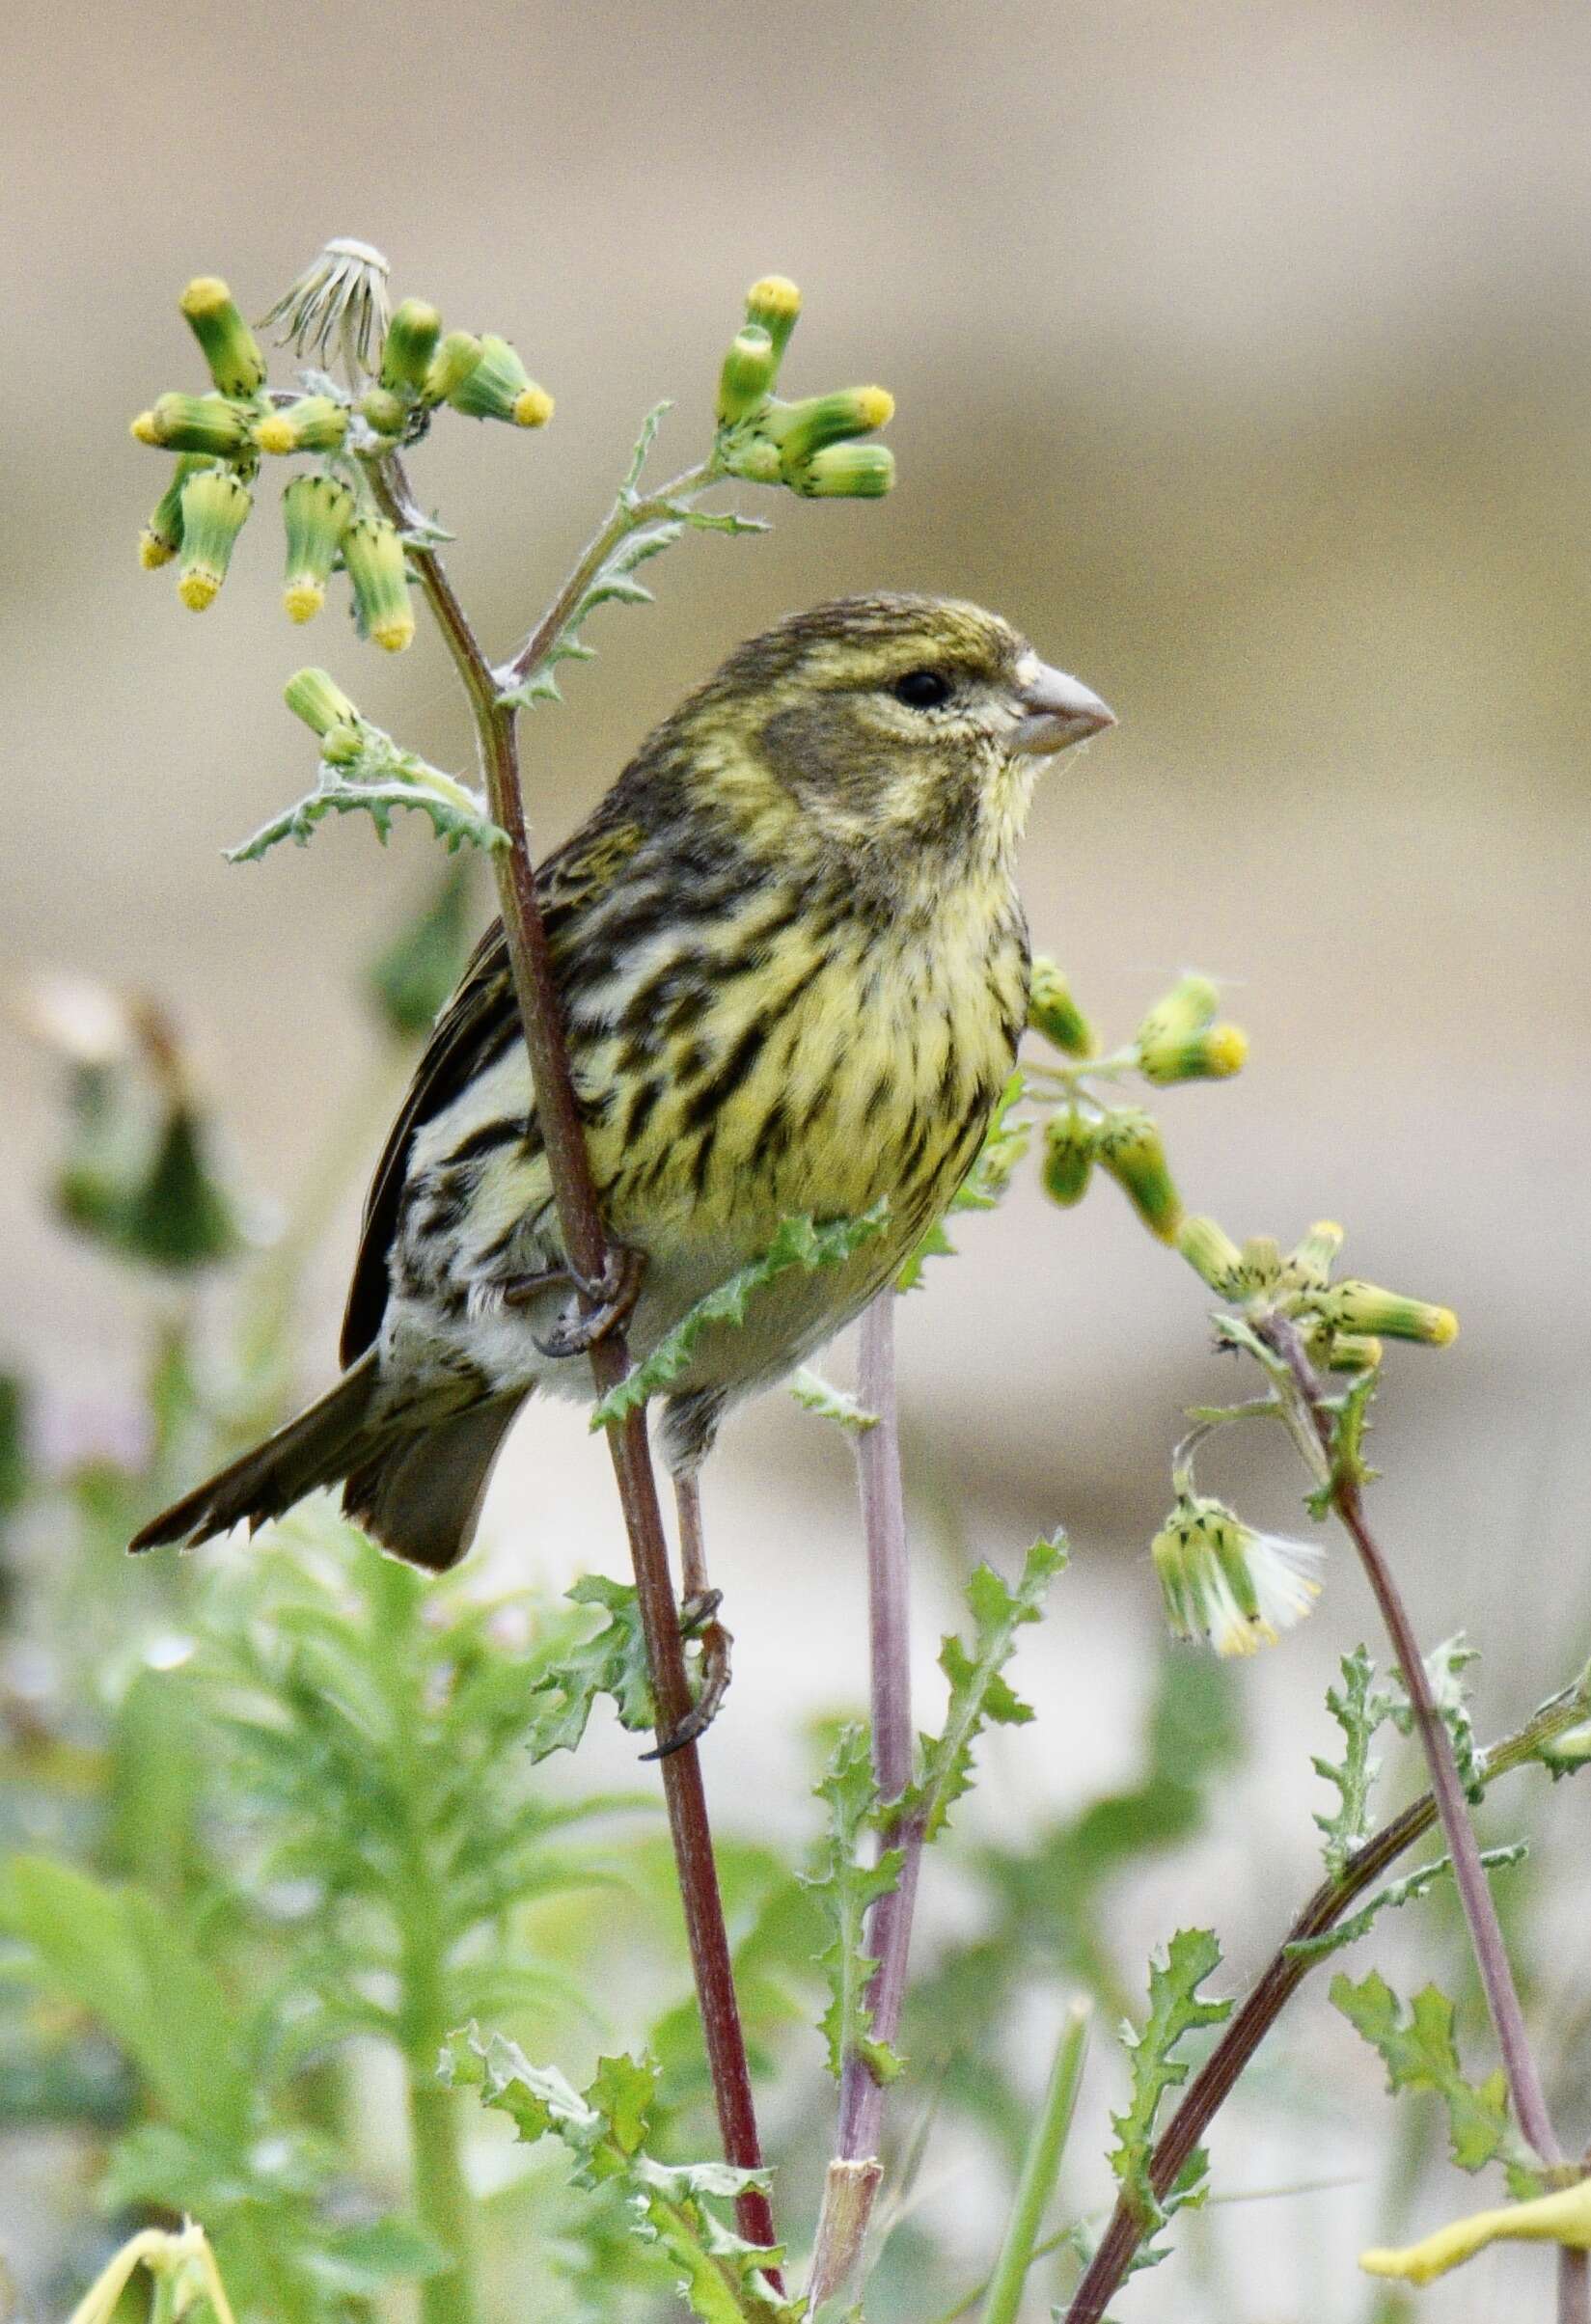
x,y
330,1821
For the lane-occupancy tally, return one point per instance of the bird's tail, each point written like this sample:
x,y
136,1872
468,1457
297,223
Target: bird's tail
x,y
318,1448
420,1493
418,1490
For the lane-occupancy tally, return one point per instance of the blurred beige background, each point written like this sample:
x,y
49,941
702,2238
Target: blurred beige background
x,y
1242,358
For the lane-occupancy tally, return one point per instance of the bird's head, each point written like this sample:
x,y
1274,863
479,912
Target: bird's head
x,y
898,733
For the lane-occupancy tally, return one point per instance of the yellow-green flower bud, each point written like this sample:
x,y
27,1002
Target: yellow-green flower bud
x,y
204,424
314,424
755,458
1571,1749
772,305
410,343
215,507
1186,1008
747,377
1364,1307
1053,1012
1129,1149
451,366
851,471
800,430
1352,1352
499,388
374,555
1310,1262
1259,1264
1069,1142
1212,1055
315,696
386,411
1211,1252
315,513
163,536
229,346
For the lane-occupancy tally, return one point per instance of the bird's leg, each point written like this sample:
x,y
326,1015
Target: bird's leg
x,y
697,1619
612,1295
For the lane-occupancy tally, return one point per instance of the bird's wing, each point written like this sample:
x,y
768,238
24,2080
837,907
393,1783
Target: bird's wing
x,y
473,1027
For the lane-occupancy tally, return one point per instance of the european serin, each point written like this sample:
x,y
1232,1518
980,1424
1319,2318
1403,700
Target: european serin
x,y
793,969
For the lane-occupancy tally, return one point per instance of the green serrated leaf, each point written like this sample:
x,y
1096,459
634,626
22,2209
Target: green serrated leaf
x,y
1407,1891
846,1888
983,1189
612,1661
720,520
1419,2053
799,1242
1359,1710
644,443
723,2277
979,1695
815,1394
1350,1423
1177,2009
381,780
1444,1667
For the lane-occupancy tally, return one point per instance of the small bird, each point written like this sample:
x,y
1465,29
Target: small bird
x,y
793,971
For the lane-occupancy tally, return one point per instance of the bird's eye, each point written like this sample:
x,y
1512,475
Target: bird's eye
x,y
922,690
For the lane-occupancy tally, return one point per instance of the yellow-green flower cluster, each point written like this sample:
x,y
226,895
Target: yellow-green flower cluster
x,y
1177,1041
1180,1041
219,437
1343,1323
812,446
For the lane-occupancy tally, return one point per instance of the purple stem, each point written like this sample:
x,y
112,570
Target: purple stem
x,y
849,2197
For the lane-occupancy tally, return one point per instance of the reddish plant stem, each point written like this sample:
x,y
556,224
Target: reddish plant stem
x,y
854,2173
1263,2004
1480,1911
585,1241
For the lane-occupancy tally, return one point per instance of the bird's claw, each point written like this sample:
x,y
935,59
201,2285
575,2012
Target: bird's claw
x,y
611,1297
696,1620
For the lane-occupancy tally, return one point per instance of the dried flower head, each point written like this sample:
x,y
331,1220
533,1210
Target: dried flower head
x,y
342,299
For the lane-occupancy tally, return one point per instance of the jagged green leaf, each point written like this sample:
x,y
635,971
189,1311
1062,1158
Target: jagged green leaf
x,y
378,780
643,443
799,1242
815,1394
1177,2009
1359,1708
1406,1891
984,1187
721,2276
1444,1667
979,1695
1419,2053
1350,1425
846,1888
612,1661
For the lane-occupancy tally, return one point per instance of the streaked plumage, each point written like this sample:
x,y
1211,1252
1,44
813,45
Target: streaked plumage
x,y
794,970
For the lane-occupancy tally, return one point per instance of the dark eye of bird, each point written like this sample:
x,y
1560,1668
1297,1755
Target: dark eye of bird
x,y
922,690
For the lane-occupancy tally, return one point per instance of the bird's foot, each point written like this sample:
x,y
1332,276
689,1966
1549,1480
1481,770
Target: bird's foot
x,y
697,1620
607,1304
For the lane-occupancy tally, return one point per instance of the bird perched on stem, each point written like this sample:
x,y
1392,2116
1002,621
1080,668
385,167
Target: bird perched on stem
x,y
793,969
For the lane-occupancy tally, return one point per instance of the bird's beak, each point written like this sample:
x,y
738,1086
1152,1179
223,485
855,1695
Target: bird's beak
x,y
1059,710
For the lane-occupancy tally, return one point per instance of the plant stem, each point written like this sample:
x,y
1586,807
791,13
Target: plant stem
x,y
585,1244
1040,2168
848,2197
1263,2004
627,514
1480,1911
